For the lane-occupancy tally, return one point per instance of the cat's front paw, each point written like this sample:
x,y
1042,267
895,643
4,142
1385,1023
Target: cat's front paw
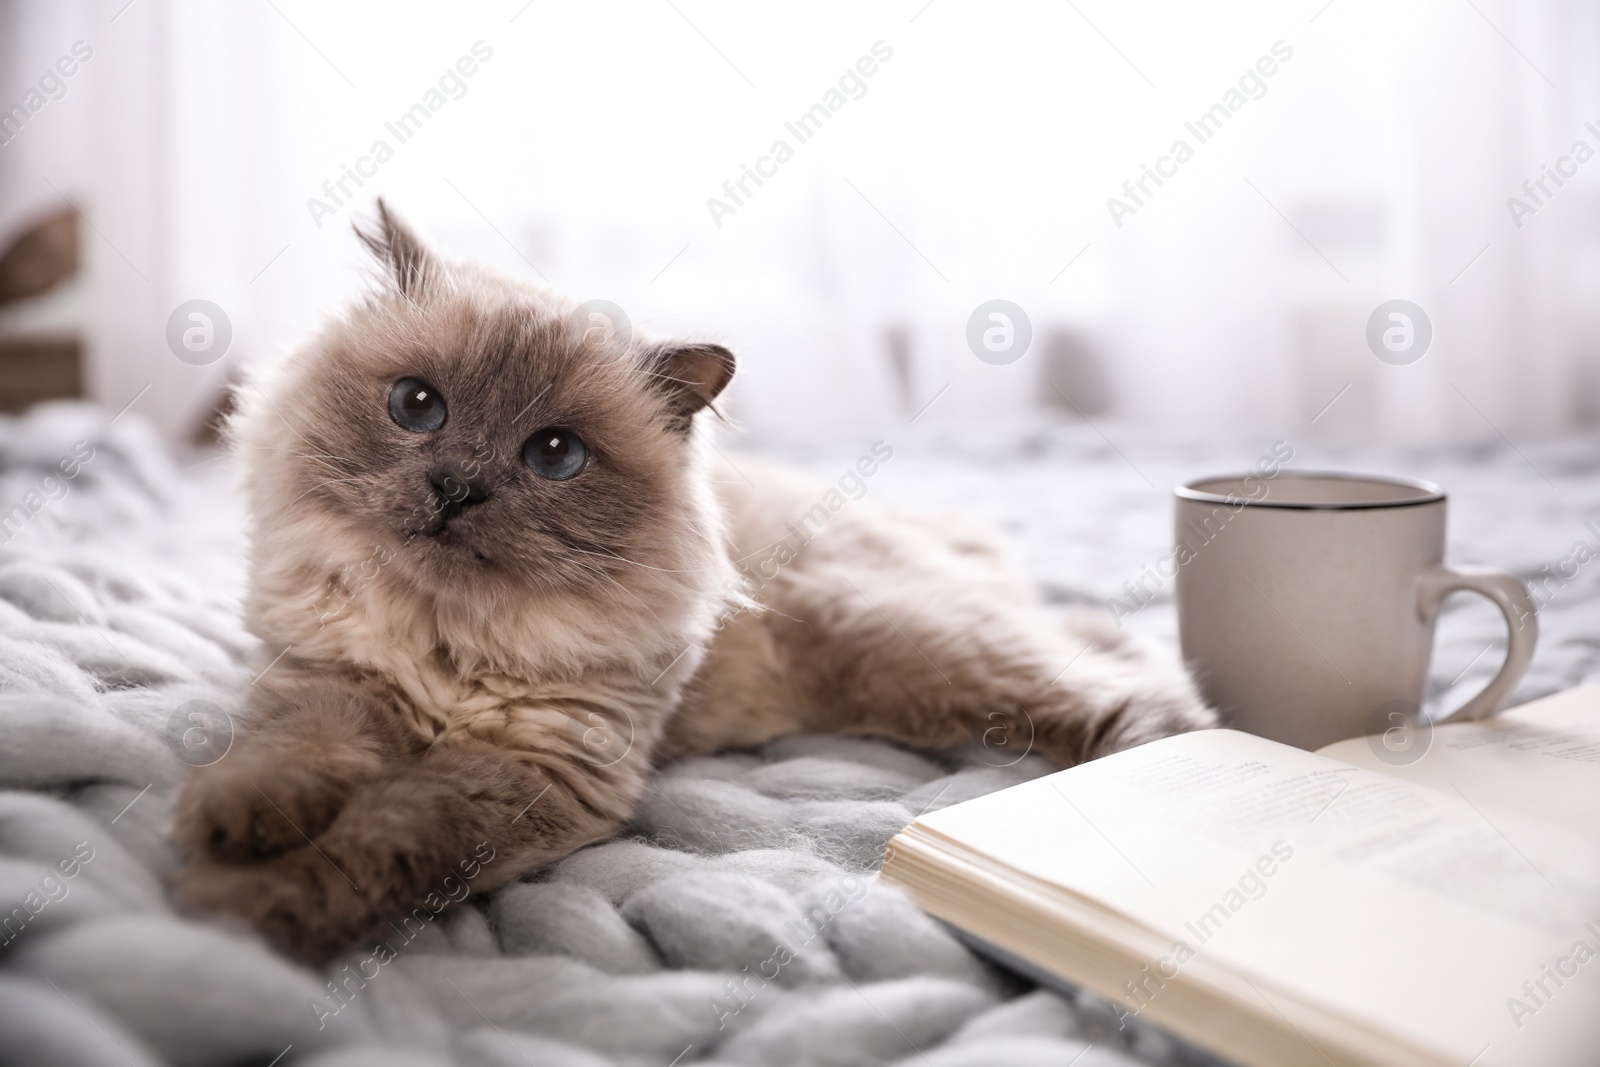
x,y
299,901
257,803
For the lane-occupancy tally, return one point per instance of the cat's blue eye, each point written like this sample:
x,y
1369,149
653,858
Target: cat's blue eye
x,y
416,406
555,453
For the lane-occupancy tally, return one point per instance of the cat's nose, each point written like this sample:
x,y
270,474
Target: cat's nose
x,y
455,493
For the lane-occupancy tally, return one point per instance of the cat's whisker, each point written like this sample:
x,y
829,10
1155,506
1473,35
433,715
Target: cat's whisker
x,y
600,572
590,568
325,465
323,456
320,486
636,563
285,418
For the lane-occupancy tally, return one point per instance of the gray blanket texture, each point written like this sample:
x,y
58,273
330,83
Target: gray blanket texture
x,y
119,610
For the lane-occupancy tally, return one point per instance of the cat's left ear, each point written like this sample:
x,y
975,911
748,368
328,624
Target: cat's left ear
x,y
690,375
400,251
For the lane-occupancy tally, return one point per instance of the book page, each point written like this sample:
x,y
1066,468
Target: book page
x,y
1541,759
1377,899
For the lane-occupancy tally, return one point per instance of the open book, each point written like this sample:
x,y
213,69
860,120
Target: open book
x,y
1281,907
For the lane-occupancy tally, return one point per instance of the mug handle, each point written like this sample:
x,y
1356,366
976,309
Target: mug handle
x,y
1522,624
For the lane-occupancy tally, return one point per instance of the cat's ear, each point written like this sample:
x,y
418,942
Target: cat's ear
x,y
689,374
404,257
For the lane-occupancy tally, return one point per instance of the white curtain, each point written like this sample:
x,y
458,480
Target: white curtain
x,y
974,162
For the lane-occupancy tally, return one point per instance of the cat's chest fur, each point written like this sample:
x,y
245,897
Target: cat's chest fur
x,y
527,672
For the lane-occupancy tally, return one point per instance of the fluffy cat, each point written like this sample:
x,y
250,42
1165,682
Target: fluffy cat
x,y
498,578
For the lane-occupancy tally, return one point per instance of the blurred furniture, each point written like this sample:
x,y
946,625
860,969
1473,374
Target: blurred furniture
x,y
41,310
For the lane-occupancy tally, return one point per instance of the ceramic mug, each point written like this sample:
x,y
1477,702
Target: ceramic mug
x,y
1307,601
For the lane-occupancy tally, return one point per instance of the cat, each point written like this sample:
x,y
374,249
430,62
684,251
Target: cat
x,y
499,575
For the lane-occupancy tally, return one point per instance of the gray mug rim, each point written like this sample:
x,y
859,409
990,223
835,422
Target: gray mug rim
x,y
1432,493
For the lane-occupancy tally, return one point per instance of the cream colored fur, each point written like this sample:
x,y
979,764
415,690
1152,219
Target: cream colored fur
x,y
482,679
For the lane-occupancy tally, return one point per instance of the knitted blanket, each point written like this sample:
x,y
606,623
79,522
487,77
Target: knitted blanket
x,y
122,655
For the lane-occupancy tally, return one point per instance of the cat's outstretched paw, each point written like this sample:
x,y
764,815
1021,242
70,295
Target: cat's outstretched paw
x,y
1120,703
1149,715
299,901
256,804
1137,692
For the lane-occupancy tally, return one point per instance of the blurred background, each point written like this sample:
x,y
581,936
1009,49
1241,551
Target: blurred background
x,y
1341,154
